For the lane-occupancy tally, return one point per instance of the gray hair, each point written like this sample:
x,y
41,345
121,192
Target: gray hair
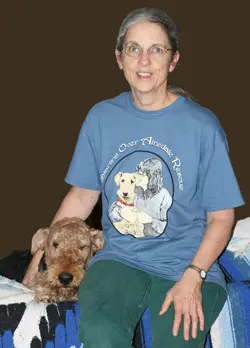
x,y
152,167
181,91
152,15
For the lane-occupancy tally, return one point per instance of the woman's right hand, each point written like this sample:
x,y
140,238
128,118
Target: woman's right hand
x,y
33,267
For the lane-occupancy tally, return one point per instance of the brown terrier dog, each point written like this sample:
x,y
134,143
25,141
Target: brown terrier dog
x,y
68,246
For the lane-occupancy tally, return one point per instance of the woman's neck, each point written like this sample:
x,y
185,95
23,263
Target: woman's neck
x,y
152,100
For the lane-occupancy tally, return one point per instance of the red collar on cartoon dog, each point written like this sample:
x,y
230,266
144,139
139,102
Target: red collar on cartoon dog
x,y
121,201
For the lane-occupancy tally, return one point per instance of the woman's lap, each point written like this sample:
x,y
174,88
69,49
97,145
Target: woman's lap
x,y
113,297
213,299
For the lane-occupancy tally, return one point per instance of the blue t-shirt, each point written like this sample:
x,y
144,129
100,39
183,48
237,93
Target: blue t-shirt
x,y
160,172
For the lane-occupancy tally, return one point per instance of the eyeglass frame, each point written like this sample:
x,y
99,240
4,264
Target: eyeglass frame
x,y
142,50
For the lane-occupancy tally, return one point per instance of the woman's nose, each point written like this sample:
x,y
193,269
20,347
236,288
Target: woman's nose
x,y
144,59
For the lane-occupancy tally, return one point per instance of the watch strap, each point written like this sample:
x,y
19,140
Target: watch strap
x,y
195,267
202,272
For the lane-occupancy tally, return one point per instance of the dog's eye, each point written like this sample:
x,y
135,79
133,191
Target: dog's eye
x,y
122,180
132,181
55,245
82,247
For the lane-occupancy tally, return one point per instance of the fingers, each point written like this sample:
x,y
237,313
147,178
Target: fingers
x,y
177,317
194,319
186,329
191,314
27,278
165,304
201,316
190,308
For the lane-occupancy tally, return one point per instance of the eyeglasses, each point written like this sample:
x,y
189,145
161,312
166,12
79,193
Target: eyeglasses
x,y
156,52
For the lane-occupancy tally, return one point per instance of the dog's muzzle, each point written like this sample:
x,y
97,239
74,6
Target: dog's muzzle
x,y
65,278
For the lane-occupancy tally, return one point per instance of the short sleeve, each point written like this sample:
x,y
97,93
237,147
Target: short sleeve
x,y
218,183
83,169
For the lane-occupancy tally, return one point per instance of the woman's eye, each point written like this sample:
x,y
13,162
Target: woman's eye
x,y
133,49
158,50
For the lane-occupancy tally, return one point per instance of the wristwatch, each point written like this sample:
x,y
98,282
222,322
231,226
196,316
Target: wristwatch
x,y
202,272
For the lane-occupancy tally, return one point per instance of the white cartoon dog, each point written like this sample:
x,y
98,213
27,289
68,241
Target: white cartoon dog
x,y
126,218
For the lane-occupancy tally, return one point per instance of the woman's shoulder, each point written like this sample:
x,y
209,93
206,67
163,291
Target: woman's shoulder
x,y
117,100
208,121
104,109
201,115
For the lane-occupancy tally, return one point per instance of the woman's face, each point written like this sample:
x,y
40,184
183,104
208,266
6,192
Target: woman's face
x,y
148,71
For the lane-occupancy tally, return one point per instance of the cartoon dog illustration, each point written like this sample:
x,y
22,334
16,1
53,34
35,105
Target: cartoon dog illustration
x,y
126,218
156,199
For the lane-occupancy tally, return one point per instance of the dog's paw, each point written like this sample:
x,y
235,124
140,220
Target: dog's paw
x,y
44,297
68,295
144,218
74,298
41,298
129,214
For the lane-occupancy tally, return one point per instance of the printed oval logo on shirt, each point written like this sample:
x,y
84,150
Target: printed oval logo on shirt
x,y
139,189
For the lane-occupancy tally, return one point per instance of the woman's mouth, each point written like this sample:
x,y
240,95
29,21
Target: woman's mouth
x,y
143,75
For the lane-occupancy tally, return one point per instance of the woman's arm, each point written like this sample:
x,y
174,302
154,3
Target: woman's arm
x,y
186,293
216,237
78,202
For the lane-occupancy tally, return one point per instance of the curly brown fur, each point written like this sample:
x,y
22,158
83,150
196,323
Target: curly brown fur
x,y
68,244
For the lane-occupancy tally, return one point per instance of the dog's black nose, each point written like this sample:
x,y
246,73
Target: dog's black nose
x,y
125,194
65,278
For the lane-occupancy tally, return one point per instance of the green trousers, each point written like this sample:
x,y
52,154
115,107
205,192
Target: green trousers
x,y
113,297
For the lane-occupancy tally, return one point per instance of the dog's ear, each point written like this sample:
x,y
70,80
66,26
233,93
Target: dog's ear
x,y
39,240
96,239
117,178
142,180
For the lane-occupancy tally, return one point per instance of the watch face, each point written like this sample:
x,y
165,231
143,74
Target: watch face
x,y
203,274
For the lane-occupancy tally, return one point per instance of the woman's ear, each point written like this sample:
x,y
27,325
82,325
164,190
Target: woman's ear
x,y
119,58
174,61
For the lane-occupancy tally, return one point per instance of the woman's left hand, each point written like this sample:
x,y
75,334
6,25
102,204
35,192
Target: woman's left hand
x,y
187,299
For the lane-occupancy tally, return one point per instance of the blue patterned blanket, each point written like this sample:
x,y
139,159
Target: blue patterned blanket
x,y
26,324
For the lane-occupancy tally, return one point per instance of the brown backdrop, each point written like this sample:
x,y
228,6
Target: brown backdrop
x,y
57,60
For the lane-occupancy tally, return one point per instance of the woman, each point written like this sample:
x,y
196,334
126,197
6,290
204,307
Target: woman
x,y
171,267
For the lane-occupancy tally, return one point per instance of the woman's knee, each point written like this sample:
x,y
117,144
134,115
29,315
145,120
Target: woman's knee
x,y
97,330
